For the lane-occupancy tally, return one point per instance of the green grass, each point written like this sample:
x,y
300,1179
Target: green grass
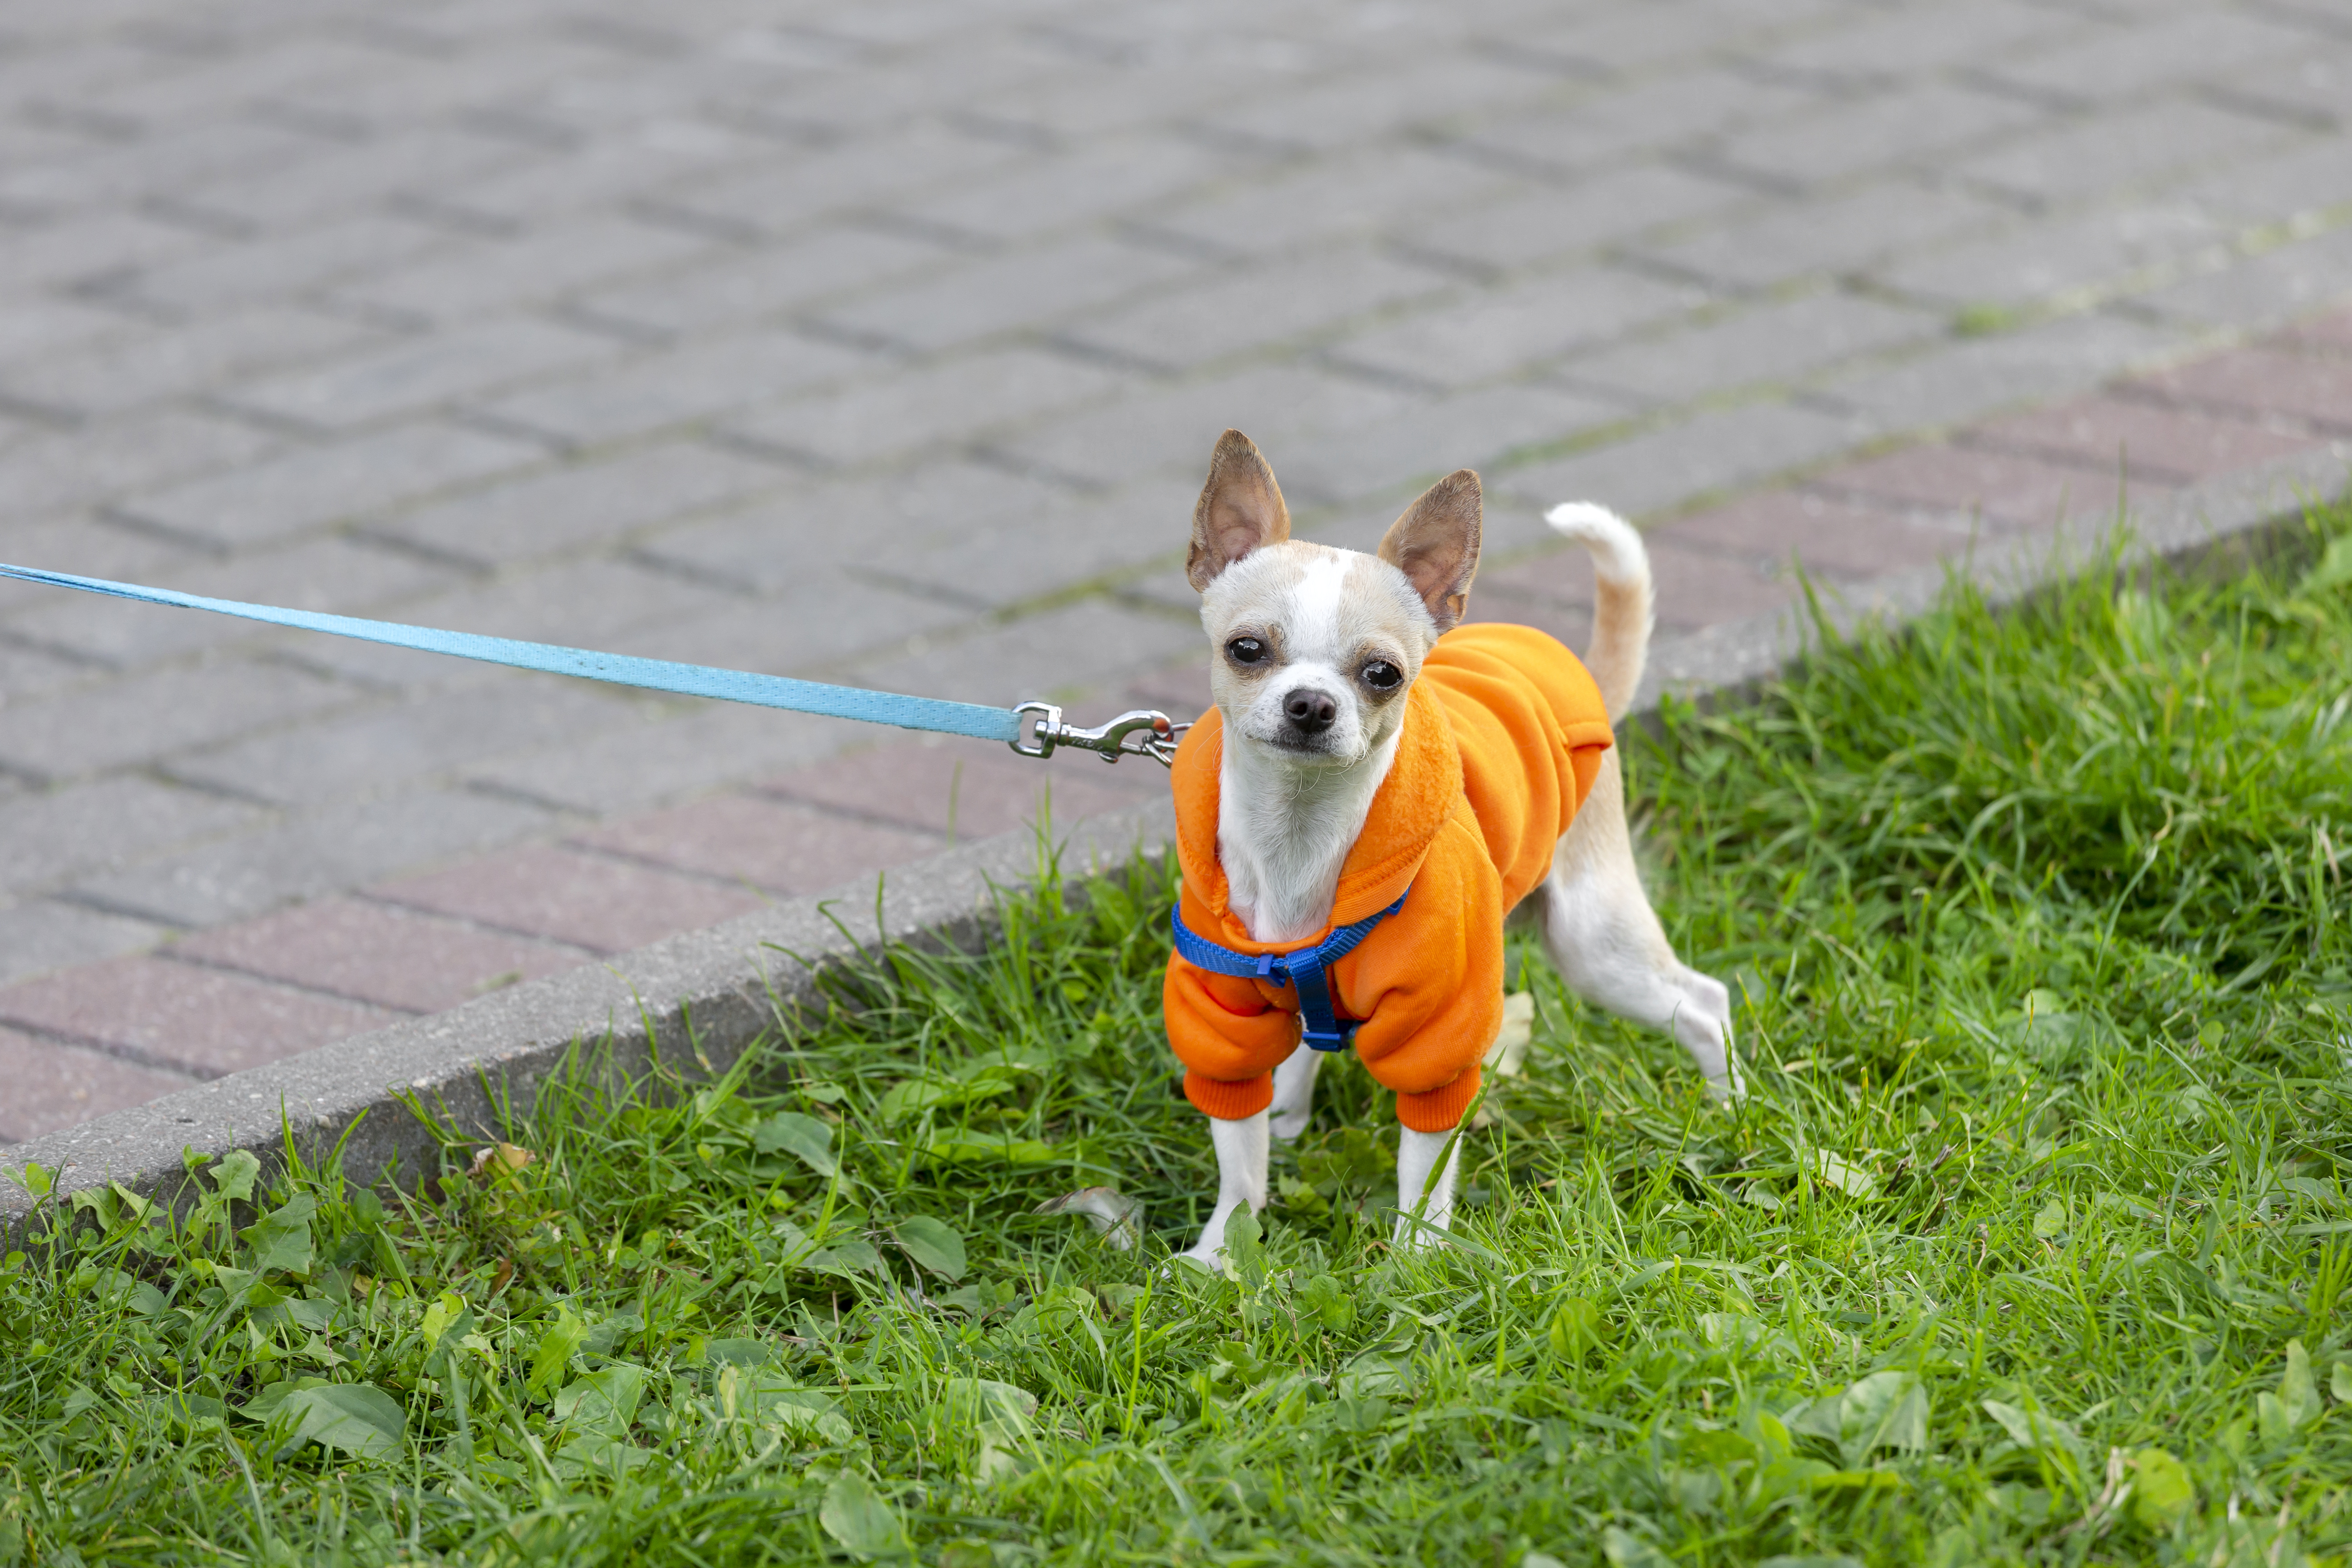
x,y
2030,1243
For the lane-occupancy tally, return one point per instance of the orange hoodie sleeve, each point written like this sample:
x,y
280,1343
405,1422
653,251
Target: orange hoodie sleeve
x,y
1429,983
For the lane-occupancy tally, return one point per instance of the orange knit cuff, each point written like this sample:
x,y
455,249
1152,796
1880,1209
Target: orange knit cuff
x,y
1229,1100
1435,1112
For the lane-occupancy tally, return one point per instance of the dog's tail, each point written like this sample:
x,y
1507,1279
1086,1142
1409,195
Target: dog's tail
x,y
1623,603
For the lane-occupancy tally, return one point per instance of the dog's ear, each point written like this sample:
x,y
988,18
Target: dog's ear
x,y
1435,545
1240,510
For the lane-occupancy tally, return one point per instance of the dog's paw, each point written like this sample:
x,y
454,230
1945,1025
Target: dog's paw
x,y
1287,1127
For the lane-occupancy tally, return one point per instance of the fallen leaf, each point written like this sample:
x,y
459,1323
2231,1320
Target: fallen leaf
x,y
1117,1218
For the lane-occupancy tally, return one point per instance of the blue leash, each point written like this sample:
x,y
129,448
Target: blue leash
x,y
1033,729
1319,1023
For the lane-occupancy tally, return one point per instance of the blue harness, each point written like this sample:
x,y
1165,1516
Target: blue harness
x,y
1320,1025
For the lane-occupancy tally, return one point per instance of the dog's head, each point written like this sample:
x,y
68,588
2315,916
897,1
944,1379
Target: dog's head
x,y
1313,647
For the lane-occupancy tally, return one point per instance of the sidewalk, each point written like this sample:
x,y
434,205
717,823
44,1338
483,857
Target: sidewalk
x,y
888,348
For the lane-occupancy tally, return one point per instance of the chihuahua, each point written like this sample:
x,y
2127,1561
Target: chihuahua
x,y
1375,789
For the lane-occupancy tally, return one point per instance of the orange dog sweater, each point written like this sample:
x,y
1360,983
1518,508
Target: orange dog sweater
x,y
1503,735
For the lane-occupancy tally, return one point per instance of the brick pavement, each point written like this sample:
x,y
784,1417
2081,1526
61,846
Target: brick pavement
x,y
885,344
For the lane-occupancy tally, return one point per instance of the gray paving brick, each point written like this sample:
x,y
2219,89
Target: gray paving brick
x,y
2309,184
1639,38
583,505
1606,124
1550,221
1922,125
1969,378
1529,323
1671,466
94,249
333,574
1004,293
2129,147
1101,180
2072,259
114,375
474,276
339,180
822,615
677,387
198,276
1082,106
32,672
2312,83
941,404
1405,193
1781,342
315,486
58,472
382,750
2140,56
765,283
1357,107
49,836
1836,237
1468,430
44,324
465,360
861,175
2253,293
1062,654
572,601
1897,43
1263,307
664,756
606,172
148,167
1006,557
125,722
43,934
767,545
309,856
1171,429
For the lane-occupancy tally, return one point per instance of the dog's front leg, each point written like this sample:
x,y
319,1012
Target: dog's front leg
x,y
1241,1149
1293,1092
1418,1174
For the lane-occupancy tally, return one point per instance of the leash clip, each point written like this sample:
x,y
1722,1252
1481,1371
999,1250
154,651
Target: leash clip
x,y
1140,732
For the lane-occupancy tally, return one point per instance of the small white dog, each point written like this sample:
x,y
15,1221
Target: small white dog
x,y
1317,654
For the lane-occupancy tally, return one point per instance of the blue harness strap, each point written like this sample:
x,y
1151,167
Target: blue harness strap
x,y
1320,1025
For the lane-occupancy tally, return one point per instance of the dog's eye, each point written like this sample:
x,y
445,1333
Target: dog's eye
x,y
1245,651
1382,675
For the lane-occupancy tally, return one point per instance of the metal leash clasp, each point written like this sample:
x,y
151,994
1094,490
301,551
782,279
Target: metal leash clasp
x,y
1142,733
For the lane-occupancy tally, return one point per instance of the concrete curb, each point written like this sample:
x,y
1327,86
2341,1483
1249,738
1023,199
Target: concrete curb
x,y
694,1001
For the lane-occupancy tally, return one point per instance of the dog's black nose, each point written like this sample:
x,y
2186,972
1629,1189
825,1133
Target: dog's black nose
x,y
1310,712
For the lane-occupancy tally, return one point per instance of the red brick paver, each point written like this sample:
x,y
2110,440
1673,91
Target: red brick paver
x,y
967,791
374,952
2140,440
52,1087
2007,492
785,849
1828,536
2313,389
589,900
204,1021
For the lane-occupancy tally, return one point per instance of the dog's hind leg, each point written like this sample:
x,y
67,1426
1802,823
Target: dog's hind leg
x,y
1293,1092
1606,941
